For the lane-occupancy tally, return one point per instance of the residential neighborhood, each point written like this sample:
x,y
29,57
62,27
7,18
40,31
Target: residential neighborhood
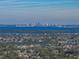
x,y
39,46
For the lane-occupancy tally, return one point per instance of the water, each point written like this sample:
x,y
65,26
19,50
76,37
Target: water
x,y
38,28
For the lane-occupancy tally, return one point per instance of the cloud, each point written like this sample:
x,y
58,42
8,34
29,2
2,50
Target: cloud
x,y
37,3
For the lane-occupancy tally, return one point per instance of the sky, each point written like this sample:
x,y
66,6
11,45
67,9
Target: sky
x,y
43,11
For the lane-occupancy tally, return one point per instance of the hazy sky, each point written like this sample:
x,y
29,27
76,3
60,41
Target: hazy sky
x,y
43,11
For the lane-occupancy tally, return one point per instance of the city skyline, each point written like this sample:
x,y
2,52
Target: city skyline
x,y
43,11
